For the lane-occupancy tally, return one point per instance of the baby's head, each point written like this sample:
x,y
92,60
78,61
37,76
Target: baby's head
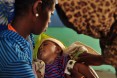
x,y
49,49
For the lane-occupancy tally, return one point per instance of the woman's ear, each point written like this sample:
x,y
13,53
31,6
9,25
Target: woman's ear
x,y
36,7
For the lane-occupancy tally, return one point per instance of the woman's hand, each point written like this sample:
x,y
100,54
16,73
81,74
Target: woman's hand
x,y
90,59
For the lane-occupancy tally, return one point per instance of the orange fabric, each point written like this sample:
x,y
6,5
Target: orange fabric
x,y
11,28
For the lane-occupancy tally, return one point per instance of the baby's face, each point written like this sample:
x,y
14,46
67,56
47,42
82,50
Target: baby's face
x,y
46,50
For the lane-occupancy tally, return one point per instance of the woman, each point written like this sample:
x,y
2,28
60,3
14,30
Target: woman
x,y
31,16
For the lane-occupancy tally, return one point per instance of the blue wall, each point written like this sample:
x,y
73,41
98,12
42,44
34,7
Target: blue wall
x,y
55,21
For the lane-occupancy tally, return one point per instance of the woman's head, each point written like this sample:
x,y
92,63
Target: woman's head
x,y
49,49
36,13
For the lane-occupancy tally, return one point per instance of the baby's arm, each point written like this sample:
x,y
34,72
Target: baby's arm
x,y
79,70
39,68
83,69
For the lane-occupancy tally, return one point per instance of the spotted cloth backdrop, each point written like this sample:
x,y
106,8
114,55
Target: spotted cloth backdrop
x,y
95,18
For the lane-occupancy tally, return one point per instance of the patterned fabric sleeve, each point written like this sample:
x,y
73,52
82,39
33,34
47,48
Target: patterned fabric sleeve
x,y
90,17
95,18
109,46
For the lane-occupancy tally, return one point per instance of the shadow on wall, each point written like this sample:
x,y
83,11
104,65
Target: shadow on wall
x,y
55,21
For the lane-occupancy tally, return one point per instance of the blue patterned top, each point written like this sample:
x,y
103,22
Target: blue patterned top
x,y
6,11
15,56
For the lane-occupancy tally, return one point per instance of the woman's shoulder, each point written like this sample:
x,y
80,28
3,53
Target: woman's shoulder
x,y
12,38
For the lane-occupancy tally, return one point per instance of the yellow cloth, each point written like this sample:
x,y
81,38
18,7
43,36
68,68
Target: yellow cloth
x,y
37,44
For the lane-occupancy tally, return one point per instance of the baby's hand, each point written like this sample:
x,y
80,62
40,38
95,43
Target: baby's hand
x,y
39,75
39,68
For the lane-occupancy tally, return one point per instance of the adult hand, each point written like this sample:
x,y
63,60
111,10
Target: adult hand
x,y
91,59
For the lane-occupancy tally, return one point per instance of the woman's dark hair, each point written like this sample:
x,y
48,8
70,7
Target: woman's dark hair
x,y
47,3
22,6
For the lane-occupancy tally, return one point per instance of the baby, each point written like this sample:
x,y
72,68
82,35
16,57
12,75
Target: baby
x,y
57,61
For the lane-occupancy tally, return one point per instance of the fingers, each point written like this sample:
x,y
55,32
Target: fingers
x,y
39,75
67,76
84,54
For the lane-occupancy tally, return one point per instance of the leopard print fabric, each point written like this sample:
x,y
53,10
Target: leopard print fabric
x,y
109,46
95,18
91,17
